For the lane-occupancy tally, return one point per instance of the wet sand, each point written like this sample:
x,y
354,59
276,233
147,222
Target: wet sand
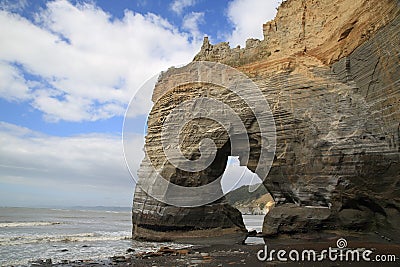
x,y
241,254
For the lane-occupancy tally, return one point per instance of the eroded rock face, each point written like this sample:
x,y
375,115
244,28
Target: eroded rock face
x,y
332,85
151,216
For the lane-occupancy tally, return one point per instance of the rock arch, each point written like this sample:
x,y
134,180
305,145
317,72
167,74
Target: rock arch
x,y
150,216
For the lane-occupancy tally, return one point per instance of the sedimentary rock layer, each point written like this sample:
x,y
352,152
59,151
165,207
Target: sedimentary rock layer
x,y
329,70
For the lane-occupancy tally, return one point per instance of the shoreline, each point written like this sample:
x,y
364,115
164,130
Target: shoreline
x,y
242,254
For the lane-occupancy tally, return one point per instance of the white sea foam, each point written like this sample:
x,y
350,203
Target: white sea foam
x,y
26,224
46,238
28,234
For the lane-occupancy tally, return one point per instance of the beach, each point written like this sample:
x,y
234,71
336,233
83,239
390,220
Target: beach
x,y
83,235
67,234
101,236
240,255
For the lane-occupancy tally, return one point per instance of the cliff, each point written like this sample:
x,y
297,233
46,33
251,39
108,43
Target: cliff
x,y
324,30
329,70
250,202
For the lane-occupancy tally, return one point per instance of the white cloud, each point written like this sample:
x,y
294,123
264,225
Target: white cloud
x,y
191,23
82,64
13,86
90,160
88,63
179,5
248,17
236,176
91,163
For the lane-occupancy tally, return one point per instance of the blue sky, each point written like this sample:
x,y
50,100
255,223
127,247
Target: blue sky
x,y
68,70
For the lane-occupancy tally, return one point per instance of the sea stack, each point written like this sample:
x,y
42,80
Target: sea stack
x,y
330,72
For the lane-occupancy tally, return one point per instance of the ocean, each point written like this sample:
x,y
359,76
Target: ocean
x,y
28,234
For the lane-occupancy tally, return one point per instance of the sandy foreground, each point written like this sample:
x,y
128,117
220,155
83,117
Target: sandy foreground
x,y
241,254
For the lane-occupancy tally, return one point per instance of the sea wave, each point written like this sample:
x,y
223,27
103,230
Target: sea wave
x,y
26,224
45,238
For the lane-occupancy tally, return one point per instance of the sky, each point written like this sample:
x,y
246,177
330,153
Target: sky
x,y
68,70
